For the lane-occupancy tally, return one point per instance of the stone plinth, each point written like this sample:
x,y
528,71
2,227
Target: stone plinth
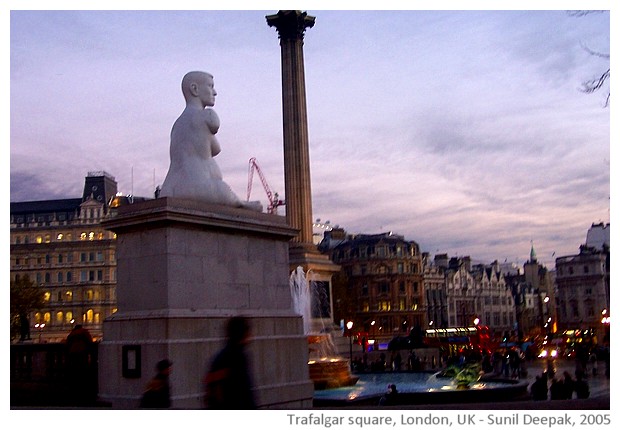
x,y
184,268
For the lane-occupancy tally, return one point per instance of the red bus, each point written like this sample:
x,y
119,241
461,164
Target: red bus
x,y
454,339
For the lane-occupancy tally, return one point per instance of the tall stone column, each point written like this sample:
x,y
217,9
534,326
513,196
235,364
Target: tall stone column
x,y
291,26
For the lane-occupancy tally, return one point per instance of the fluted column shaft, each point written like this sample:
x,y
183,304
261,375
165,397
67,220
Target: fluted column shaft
x,y
291,26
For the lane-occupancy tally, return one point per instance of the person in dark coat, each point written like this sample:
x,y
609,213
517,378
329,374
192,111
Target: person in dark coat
x,y
568,385
79,345
228,383
539,388
157,393
582,388
390,397
556,389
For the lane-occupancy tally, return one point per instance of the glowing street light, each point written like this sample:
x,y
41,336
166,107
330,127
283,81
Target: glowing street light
x,y
606,318
40,327
349,327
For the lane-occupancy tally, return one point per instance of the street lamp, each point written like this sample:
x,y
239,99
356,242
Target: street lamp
x,y
476,321
349,327
40,327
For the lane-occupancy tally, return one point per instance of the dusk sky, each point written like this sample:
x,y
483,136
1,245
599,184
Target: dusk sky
x,y
465,131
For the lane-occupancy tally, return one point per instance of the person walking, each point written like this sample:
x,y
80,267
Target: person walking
x,y
79,345
228,384
157,393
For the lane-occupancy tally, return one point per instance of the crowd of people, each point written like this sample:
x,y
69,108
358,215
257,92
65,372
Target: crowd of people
x,y
560,387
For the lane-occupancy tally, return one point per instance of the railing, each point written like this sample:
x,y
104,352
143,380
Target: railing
x,y
44,374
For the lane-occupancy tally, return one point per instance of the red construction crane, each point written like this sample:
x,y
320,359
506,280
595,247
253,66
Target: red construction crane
x,y
274,202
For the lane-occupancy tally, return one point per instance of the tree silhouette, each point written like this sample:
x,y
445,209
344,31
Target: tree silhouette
x,y
593,85
25,298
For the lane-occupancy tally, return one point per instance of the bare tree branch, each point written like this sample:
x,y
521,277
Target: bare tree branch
x,y
580,13
594,53
593,85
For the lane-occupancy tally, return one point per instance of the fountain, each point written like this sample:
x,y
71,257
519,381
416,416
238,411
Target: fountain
x,y
327,369
421,388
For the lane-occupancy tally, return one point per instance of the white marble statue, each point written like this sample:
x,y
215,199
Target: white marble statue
x,y
193,173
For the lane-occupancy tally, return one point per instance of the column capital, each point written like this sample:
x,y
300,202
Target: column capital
x,y
290,24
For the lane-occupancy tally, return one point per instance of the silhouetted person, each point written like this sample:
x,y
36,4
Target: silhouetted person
x,y
396,361
568,385
157,393
390,397
24,328
539,388
228,383
556,389
594,363
582,388
79,348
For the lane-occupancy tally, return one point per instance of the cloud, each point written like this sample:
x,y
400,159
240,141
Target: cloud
x,y
463,131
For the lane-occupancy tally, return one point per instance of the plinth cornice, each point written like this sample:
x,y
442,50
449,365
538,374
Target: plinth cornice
x,y
169,210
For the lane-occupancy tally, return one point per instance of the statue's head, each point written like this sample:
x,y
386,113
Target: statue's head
x,y
199,85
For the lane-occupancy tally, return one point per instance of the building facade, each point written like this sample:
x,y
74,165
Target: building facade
x,y
434,279
61,247
477,294
583,285
382,282
583,289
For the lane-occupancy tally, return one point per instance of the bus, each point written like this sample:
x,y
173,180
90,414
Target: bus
x,y
453,340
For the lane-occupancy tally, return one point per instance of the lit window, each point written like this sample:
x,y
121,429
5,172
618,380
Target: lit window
x,y
91,235
39,239
47,317
46,296
59,317
68,296
385,305
48,238
83,236
68,317
60,236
